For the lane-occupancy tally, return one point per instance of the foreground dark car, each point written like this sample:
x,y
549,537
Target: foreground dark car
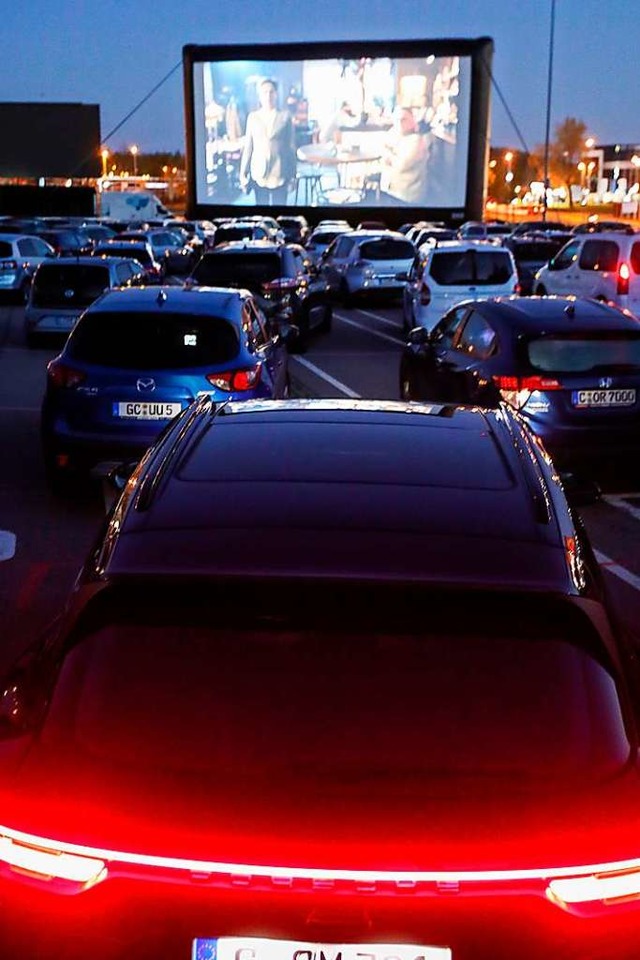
x,y
570,366
339,679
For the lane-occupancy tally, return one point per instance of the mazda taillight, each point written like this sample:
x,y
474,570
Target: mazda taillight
x,y
623,279
517,390
60,375
232,380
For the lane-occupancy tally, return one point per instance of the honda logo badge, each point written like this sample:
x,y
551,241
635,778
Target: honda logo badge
x,y
605,382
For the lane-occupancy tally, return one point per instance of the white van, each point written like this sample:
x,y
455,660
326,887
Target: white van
x,y
452,271
605,266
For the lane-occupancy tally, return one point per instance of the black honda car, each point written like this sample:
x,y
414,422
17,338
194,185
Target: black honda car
x,y
570,366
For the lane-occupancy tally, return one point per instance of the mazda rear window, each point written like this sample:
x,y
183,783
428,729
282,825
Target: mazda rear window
x,y
153,341
387,250
237,269
69,285
575,355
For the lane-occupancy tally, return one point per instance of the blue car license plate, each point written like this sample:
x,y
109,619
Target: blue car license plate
x,y
145,410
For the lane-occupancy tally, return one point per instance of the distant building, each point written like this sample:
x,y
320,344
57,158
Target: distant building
x,y
44,141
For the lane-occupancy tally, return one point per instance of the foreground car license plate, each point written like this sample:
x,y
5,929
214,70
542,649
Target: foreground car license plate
x,y
263,948
146,410
603,398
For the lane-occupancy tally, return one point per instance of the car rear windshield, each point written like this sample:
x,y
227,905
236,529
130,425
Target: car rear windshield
x,y
228,234
237,269
515,691
73,285
153,341
468,267
5,249
387,250
576,355
536,252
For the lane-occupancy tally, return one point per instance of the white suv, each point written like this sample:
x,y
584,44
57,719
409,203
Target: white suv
x,y
605,266
452,271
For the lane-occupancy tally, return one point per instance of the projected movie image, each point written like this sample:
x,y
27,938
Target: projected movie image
x,y
371,132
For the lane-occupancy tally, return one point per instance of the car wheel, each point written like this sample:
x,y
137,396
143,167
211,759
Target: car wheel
x,y
541,291
325,325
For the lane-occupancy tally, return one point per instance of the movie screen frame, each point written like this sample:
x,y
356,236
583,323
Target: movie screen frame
x,y
397,131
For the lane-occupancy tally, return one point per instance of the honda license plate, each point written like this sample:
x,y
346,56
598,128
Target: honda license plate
x,y
263,948
625,397
146,410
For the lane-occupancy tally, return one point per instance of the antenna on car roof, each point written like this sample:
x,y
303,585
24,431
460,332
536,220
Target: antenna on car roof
x,y
160,299
570,310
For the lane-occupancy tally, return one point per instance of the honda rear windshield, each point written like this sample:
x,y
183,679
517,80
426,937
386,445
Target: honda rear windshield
x,y
575,355
237,269
153,341
69,285
387,250
463,268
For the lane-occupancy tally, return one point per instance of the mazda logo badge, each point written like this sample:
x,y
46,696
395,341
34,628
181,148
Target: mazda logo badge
x,y
146,384
605,382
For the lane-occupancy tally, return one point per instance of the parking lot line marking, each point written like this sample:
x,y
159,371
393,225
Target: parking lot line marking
x,y
378,316
7,545
326,376
621,572
619,501
374,333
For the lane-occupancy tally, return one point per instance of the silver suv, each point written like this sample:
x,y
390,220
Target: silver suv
x,y
20,255
63,288
365,262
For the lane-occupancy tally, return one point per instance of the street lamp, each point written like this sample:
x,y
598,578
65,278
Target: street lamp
x,y
104,153
548,118
133,150
590,143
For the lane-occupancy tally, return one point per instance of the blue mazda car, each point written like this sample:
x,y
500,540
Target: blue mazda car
x,y
137,357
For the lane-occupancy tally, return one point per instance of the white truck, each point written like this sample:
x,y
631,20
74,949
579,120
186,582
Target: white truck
x,y
131,205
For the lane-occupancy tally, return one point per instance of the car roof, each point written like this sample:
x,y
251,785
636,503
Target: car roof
x,y
556,314
84,261
20,236
339,503
201,301
246,246
452,246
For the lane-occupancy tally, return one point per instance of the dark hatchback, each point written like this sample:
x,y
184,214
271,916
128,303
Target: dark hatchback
x,y
571,368
531,251
338,680
281,276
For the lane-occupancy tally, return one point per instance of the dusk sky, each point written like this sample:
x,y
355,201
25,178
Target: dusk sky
x,y
114,52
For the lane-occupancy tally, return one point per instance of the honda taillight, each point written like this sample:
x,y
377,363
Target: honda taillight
x,y
623,279
63,376
9,265
425,295
517,390
232,380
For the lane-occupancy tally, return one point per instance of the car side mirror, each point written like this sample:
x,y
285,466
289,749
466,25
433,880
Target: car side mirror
x,y
419,336
115,482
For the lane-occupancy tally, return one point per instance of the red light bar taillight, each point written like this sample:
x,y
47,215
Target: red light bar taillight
x,y
623,279
606,888
63,376
231,380
518,390
51,864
